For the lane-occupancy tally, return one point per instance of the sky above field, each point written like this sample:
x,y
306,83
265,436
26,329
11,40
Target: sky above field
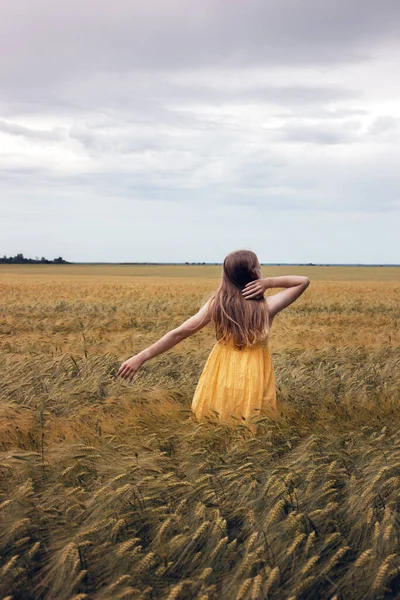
x,y
172,130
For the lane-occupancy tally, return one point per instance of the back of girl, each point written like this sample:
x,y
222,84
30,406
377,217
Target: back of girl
x,y
237,384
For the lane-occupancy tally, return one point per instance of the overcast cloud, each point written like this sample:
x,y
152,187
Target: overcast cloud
x,y
179,131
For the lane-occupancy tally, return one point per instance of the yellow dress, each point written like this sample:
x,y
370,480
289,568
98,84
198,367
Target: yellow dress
x,y
236,385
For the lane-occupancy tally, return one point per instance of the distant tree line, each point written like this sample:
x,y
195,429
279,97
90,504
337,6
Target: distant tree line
x,y
20,259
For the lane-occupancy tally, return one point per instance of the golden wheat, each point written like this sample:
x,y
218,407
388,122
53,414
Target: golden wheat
x,y
378,581
205,573
101,479
244,588
272,579
175,591
363,559
296,542
221,544
301,587
335,558
256,589
8,566
275,512
310,564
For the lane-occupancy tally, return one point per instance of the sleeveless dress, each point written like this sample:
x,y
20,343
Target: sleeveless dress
x,y
236,385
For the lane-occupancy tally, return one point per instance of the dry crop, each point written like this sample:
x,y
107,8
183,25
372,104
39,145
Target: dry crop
x,y
112,490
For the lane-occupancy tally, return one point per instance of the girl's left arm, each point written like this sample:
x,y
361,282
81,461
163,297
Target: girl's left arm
x,y
129,368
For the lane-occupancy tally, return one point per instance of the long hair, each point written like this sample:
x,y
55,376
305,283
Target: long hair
x,y
238,319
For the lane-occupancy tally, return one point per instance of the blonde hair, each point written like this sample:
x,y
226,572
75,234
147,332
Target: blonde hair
x,y
238,319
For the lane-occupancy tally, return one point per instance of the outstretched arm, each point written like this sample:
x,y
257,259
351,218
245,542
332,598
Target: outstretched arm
x,y
129,368
295,285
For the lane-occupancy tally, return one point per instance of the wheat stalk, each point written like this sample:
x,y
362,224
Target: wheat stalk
x,y
175,591
370,515
303,585
165,526
124,547
33,550
332,467
296,542
146,563
200,530
244,588
309,542
205,573
8,566
377,584
388,532
335,558
251,540
4,504
18,525
332,538
247,563
363,558
274,514
223,542
273,577
256,590
309,564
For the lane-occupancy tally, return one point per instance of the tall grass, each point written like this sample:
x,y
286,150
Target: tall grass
x,y
111,490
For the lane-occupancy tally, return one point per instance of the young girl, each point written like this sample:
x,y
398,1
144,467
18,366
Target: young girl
x,y
238,381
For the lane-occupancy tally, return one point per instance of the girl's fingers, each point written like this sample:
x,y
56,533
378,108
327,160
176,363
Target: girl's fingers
x,y
250,286
254,285
132,375
125,371
252,291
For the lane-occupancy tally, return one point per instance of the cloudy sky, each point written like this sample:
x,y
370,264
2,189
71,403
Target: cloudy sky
x,y
179,130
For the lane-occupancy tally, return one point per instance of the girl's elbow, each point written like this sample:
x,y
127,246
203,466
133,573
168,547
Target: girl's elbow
x,y
179,334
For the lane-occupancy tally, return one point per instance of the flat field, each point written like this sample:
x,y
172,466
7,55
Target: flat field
x,y
111,490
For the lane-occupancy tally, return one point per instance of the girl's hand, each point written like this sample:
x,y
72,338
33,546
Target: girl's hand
x,y
130,367
255,288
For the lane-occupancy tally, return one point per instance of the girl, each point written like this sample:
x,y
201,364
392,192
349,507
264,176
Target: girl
x,y
238,381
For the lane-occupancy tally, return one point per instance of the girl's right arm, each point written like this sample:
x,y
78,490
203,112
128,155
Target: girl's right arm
x,y
129,368
295,285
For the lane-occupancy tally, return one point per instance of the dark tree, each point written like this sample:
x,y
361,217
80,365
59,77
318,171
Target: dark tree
x,y
20,259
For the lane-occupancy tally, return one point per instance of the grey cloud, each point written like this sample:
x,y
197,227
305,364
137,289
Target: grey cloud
x,y
151,113
321,133
43,42
40,134
261,179
153,95
384,124
148,91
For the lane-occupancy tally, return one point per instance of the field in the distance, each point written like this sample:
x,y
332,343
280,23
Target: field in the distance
x,y
111,490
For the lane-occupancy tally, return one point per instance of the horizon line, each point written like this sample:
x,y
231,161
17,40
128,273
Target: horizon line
x,y
203,263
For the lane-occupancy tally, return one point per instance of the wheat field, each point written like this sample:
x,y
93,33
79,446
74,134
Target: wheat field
x,y
111,490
